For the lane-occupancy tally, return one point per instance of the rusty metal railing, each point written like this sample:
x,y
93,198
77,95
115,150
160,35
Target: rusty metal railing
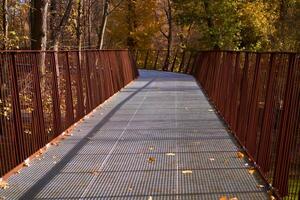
x,y
39,100
258,96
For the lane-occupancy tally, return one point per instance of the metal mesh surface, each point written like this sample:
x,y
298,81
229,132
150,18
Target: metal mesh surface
x,y
137,146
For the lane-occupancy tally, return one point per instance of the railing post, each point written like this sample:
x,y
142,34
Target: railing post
x,y
69,97
79,87
88,83
264,147
38,102
17,117
156,59
242,98
288,127
252,121
182,61
174,61
55,95
188,64
146,59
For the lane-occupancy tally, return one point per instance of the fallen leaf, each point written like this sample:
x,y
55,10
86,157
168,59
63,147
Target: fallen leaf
x,y
151,159
54,143
210,110
151,148
187,171
240,155
3,184
272,197
26,162
260,186
150,198
223,198
251,171
170,154
211,159
96,173
130,189
233,198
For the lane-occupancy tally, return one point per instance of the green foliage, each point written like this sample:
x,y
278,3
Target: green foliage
x,y
238,24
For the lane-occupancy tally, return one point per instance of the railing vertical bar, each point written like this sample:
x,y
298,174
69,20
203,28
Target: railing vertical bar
x,y
17,117
55,96
69,97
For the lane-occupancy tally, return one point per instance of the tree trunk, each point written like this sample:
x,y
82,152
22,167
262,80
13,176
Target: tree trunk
x,y
102,27
210,25
168,11
132,24
57,30
3,69
89,15
38,31
281,28
78,27
38,19
4,24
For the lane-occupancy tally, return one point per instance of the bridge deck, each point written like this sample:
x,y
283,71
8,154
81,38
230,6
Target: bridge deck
x,y
156,139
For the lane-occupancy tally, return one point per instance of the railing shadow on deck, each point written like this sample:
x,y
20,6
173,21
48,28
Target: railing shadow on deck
x,y
257,95
44,93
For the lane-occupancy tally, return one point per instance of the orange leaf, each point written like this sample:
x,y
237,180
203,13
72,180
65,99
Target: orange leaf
x,y
223,198
151,159
3,184
240,155
251,171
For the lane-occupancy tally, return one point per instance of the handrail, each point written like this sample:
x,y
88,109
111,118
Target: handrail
x,y
43,93
258,96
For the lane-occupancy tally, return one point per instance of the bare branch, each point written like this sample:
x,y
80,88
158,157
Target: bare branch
x,y
115,7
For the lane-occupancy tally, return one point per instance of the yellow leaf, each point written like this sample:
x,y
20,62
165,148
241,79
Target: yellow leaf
x,y
240,155
260,186
54,143
223,198
151,159
26,162
151,148
251,171
3,184
170,154
187,171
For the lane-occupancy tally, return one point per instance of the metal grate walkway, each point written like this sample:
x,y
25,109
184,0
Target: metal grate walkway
x,y
156,139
